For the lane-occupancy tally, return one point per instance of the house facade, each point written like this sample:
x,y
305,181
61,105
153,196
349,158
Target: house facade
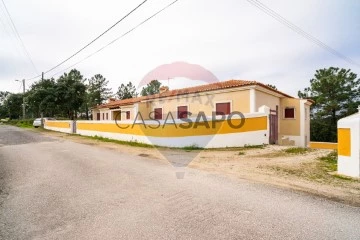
x,y
288,120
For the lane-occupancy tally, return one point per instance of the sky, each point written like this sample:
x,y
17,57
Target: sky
x,y
230,38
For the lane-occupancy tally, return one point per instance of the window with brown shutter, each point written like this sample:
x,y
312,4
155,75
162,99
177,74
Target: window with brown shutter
x,y
107,116
182,112
223,108
103,116
98,116
158,113
127,114
289,113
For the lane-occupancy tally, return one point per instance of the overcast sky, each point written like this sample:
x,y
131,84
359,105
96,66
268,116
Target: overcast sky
x,y
231,38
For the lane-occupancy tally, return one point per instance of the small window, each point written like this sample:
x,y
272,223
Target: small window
x,y
223,108
127,114
98,116
289,113
182,112
107,116
117,115
103,115
158,113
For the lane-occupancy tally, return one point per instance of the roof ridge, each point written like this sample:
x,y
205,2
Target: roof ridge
x,y
188,90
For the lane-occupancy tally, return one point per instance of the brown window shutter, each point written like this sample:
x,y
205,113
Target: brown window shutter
x,y
222,108
98,116
158,113
128,115
289,113
182,112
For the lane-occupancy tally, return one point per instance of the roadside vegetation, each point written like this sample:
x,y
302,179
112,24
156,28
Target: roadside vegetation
x,y
297,150
128,143
322,169
71,96
23,123
192,147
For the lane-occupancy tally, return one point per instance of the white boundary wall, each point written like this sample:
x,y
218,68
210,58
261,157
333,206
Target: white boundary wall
x,y
205,141
60,129
350,165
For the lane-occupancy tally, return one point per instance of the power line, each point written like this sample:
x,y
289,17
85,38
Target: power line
x,y
300,31
3,23
81,49
116,39
19,38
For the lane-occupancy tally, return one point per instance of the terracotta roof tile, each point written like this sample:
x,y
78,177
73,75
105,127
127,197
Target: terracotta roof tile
x,y
182,91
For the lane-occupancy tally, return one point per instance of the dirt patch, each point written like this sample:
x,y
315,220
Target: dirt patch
x,y
311,171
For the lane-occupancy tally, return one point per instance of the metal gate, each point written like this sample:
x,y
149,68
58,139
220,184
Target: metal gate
x,y
274,126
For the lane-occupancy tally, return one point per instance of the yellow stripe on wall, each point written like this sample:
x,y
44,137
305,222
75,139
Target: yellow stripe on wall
x,y
174,130
323,145
57,124
344,142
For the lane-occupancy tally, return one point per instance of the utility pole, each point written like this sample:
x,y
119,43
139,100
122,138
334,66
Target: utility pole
x,y
23,105
42,114
23,82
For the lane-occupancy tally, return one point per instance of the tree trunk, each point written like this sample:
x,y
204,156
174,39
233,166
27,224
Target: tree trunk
x,y
87,111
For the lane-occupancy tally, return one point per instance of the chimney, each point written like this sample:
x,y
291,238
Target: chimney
x,y
164,89
111,100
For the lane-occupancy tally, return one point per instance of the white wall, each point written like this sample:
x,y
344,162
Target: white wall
x,y
350,166
59,129
205,141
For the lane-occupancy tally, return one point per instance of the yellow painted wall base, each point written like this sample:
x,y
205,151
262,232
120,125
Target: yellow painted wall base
x,y
174,130
57,124
323,145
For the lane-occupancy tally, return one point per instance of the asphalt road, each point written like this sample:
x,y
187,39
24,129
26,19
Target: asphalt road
x,y
57,189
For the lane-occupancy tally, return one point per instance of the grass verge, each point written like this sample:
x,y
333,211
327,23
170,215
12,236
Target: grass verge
x,y
128,143
323,169
297,150
22,123
192,147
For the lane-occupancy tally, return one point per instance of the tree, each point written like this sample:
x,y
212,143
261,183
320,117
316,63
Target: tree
x,y
98,90
3,111
126,91
41,98
151,88
70,91
336,93
272,86
13,105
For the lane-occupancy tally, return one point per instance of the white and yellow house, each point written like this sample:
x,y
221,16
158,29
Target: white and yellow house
x,y
269,116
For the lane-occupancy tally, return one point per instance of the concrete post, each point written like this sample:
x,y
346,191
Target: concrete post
x,y
349,145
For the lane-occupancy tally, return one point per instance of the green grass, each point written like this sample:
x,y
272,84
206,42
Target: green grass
x,y
253,146
330,161
343,177
297,150
129,143
23,123
192,147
